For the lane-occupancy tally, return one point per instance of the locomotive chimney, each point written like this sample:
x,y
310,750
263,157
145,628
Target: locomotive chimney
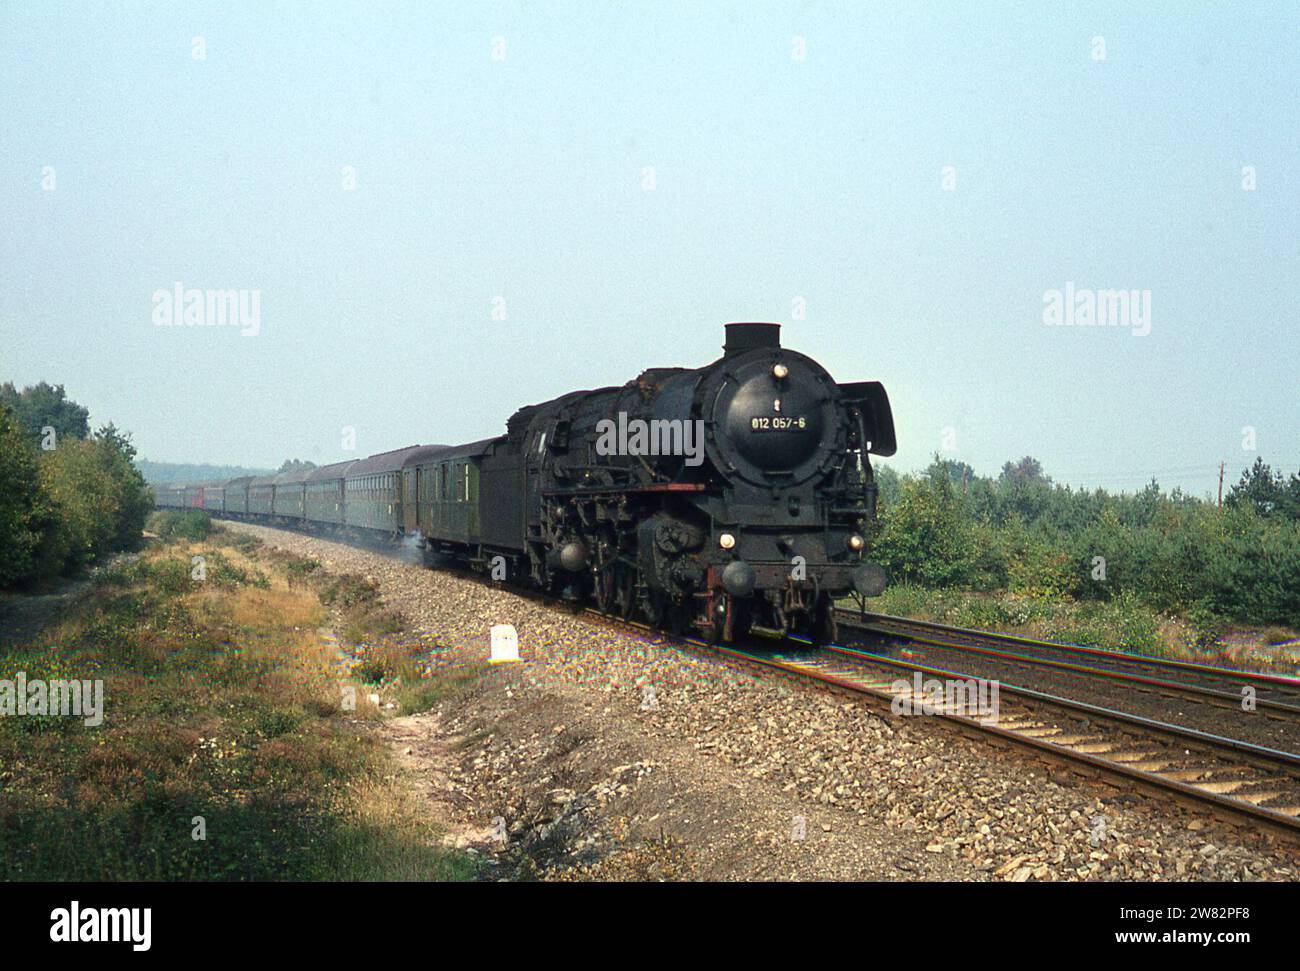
x,y
748,336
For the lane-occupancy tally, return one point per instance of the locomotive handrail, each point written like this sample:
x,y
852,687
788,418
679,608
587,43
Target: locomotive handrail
x,y
624,490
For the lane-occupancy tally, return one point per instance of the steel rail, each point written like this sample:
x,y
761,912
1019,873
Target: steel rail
x,y
918,631
1260,759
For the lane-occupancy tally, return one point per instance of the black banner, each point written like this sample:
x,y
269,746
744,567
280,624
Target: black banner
x,y
382,922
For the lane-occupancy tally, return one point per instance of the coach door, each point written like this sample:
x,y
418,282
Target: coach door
x,y
410,508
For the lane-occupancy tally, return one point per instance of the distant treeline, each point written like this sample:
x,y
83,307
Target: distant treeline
x,y
1020,532
67,497
164,472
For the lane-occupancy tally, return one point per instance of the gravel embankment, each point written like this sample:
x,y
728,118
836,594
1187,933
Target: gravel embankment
x,y
608,755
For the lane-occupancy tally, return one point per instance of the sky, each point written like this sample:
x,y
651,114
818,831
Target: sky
x,y
436,213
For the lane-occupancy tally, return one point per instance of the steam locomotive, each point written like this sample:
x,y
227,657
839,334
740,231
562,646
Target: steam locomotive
x,y
722,499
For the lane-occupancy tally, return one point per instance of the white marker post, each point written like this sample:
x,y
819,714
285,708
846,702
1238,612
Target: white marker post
x,y
505,644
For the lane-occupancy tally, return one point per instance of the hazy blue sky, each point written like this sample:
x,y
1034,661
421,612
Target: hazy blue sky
x,y
774,179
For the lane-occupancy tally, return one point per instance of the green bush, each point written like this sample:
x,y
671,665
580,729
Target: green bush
x,y
74,500
24,511
349,591
1168,552
926,539
223,573
1124,623
121,574
98,499
1254,573
191,524
82,529
169,575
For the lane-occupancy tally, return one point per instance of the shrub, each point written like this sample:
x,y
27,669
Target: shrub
x,y
24,511
169,575
1167,552
349,591
191,524
1254,573
926,539
99,502
1123,624
223,573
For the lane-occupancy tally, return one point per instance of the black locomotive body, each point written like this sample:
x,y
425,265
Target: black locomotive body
x,y
735,495
732,495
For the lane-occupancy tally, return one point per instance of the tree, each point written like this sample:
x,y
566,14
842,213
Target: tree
x,y
1028,470
1289,505
1260,487
100,501
297,465
1253,574
24,513
926,537
887,484
132,494
45,406
1023,489
959,474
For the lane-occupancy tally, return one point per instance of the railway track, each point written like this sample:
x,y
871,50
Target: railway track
x,y
1227,775
1222,686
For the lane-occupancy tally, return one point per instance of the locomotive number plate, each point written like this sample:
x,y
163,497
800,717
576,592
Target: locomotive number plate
x,y
777,423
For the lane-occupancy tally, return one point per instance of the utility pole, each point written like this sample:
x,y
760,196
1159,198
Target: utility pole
x,y
1221,467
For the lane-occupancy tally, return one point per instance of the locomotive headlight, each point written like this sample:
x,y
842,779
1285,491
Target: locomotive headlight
x,y
780,371
856,543
726,541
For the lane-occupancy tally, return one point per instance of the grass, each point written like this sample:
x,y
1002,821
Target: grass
x,y
387,659
222,713
1121,624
